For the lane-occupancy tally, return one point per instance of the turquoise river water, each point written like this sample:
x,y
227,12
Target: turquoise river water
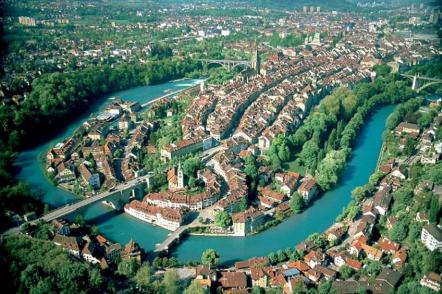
x,y
121,228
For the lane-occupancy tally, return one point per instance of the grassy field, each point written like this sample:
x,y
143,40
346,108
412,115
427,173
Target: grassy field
x,y
294,166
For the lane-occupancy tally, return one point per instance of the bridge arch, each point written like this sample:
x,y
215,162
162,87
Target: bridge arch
x,y
427,85
245,64
216,63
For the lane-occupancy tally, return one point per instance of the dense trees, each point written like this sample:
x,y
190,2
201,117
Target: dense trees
x,y
401,110
34,266
54,100
171,282
323,143
346,272
191,165
223,219
296,202
195,288
128,268
143,277
57,97
288,41
210,257
330,168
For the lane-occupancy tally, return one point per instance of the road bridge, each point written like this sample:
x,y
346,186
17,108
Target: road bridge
x,y
427,81
227,64
172,238
70,208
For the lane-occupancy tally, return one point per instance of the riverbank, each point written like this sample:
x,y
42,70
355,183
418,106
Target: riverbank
x,y
288,233
318,218
171,94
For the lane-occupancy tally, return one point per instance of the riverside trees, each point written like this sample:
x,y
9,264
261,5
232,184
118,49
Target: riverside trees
x,y
323,143
59,96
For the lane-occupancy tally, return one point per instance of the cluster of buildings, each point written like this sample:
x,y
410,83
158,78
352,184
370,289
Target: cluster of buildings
x,y
93,249
168,218
289,276
351,243
85,161
168,209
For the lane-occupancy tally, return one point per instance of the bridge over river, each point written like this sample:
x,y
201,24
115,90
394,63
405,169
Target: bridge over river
x,y
131,186
172,238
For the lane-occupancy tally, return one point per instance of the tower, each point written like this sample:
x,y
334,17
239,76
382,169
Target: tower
x,y
414,85
180,176
254,57
203,87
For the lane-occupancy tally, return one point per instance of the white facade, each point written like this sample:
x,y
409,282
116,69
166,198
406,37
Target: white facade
x,y
157,219
429,240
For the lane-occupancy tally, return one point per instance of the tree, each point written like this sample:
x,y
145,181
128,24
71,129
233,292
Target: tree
x,y
79,220
318,239
330,168
95,278
143,277
191,166
223,219
171,282
281,255
434,209
34,263
128,267
425,120
361,192
273,257
309,154
382,69
95,230
400,229
373,268
210,257
251,167
410,146
326,287
242,204
296,202
346,272
195,288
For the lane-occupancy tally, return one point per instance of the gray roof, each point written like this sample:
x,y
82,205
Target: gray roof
x,y
434,231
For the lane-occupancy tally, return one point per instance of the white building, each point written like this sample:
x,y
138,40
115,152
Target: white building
x,y
431,237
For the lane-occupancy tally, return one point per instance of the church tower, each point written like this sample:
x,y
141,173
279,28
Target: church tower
x,y
254,57
180,177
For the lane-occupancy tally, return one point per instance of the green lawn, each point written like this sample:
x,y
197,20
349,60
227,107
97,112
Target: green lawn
x,y
294,166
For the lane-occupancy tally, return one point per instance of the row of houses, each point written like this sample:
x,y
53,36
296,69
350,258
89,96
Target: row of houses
x,y
168,218
180,199
93,249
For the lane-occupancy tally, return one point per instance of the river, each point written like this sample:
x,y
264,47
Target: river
x,y
121,228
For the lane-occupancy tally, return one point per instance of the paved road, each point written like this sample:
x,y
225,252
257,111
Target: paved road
x,y
164,246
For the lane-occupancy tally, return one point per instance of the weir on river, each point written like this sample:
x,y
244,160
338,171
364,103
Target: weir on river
x,y
121,228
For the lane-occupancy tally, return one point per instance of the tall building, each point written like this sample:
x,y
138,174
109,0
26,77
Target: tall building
x,y
318,9
254,57
312,9
305,9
